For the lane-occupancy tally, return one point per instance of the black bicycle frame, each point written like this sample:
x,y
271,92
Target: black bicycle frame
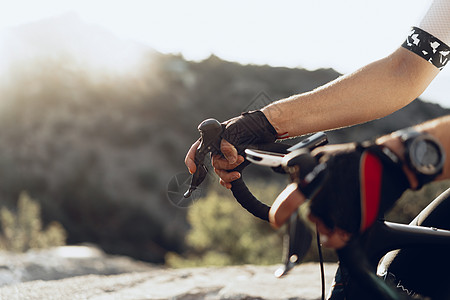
x,y
362,255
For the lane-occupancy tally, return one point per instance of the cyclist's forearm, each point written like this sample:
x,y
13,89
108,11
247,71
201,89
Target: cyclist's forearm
x,y
374,91
437,128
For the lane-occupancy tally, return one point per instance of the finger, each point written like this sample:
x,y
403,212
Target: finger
x,y
189,160
220,162
227,176
225,184
229,151
321,227
336,238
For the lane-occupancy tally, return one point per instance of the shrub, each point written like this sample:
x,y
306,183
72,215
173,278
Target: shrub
x,y
22,230
412,202
223,233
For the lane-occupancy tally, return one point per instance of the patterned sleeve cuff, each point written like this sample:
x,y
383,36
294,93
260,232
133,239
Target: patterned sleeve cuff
x,y
428,47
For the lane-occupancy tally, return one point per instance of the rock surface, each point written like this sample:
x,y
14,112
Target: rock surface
x,y
63,262
240,282
37,275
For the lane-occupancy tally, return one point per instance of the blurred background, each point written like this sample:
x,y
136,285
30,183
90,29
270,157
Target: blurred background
x,y
100,100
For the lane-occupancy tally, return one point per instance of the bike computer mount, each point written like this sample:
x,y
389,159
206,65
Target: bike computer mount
x,y
273,159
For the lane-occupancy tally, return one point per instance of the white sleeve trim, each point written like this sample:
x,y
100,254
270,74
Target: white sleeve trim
x,y
437,20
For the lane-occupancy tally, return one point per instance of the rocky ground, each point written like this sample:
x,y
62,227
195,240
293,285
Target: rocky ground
x,y
87,273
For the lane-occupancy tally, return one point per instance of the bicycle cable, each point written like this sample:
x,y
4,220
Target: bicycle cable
x,y
322,272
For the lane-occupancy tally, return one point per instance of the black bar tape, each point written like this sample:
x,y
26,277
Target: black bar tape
x,y
248,201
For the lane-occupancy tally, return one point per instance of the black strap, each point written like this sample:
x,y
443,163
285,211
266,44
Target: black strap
x,y
241,192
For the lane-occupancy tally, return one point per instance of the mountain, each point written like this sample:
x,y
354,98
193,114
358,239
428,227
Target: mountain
x,y
68,36
98,147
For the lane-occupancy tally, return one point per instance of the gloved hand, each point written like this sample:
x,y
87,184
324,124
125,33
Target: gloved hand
x,y
356,187
249,128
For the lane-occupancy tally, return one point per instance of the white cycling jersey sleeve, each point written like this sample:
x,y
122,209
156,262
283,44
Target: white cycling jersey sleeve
x,y
437,20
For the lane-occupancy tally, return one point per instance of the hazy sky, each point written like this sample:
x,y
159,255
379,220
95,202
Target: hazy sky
x,y
343,35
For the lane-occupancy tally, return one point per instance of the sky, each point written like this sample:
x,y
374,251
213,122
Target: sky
x,y
343,35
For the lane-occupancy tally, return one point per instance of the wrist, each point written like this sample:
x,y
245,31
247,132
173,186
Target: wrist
x,y
394,143
272,114
250,128
422,155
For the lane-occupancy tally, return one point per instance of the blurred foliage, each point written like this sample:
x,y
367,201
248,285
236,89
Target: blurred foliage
x,y
223,233
99,148
413,202
23,229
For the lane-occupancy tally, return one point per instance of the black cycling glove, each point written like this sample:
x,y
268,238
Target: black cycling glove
x,y
250,128
356,187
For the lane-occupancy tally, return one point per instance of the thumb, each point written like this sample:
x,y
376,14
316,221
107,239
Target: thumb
x,y
229,151
190,158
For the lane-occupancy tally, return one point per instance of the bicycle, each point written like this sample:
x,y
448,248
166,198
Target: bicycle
x,y
361,257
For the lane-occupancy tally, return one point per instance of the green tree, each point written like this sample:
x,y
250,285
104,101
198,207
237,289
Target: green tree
x,y
23,230
223,233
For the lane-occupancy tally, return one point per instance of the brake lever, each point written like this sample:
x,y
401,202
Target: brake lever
x,y
210,136
297,242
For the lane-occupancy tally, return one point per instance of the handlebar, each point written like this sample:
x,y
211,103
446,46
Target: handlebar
x,y
210,138
240,190
298,237
286,158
